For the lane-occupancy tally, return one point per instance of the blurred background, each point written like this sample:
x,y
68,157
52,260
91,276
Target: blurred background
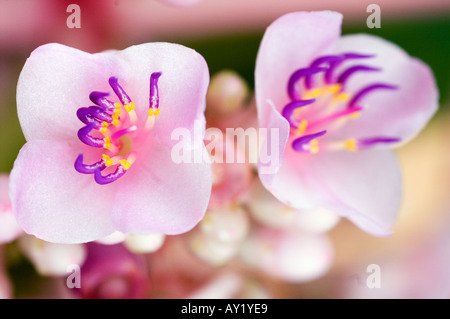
x,y
414,262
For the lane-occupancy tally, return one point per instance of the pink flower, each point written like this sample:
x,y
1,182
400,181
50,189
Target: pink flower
x,y
9,229
180,3
88,171
113,272
340,104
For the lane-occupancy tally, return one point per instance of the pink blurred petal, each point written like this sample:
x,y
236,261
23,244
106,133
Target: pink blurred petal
x,y
9,229
268,210
288,256
5,284
51,259
112,272
52,201
230,180
180,3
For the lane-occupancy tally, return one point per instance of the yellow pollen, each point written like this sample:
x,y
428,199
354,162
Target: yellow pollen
x,y
354,115
104,127
107,143
108,161
129,107
125,164
351,145
154,112
302,127
335,88
314,146
341,97
312,93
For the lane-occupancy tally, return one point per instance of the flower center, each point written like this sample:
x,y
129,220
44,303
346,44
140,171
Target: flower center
x,y
331,106
113,128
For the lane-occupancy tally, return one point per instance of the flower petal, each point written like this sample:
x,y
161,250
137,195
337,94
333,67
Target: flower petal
x,y
293,41
52,201
365,186
401,113
162,196
273,144
55,81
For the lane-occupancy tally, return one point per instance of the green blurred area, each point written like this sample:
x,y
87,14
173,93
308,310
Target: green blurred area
x,y
427,38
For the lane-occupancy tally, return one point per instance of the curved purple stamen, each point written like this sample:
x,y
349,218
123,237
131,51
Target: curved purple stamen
x,y
100,99
344,76
120,92
296,76
154,92
367,142
363,92
289,109
83,135
298,143
88,169
102,180
330,59
345,56
92,114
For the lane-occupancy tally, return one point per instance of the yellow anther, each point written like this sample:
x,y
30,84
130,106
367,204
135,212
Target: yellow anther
x,y
302,127
117,106
355,115
312,93
341,97
125,164
334,88
314,146
107,143
129,107
104,127
351,145
108,161
154,112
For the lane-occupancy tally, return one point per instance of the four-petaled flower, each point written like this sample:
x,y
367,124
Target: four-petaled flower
x,y
87,171
340,104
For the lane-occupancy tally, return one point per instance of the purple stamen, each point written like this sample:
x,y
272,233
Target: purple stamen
x,y
368,142
102,180
298,143
363,92
289,109
100,99
334,64
296,76
350,71
331,60
93,114
83,135
120,92
88,169
154,92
